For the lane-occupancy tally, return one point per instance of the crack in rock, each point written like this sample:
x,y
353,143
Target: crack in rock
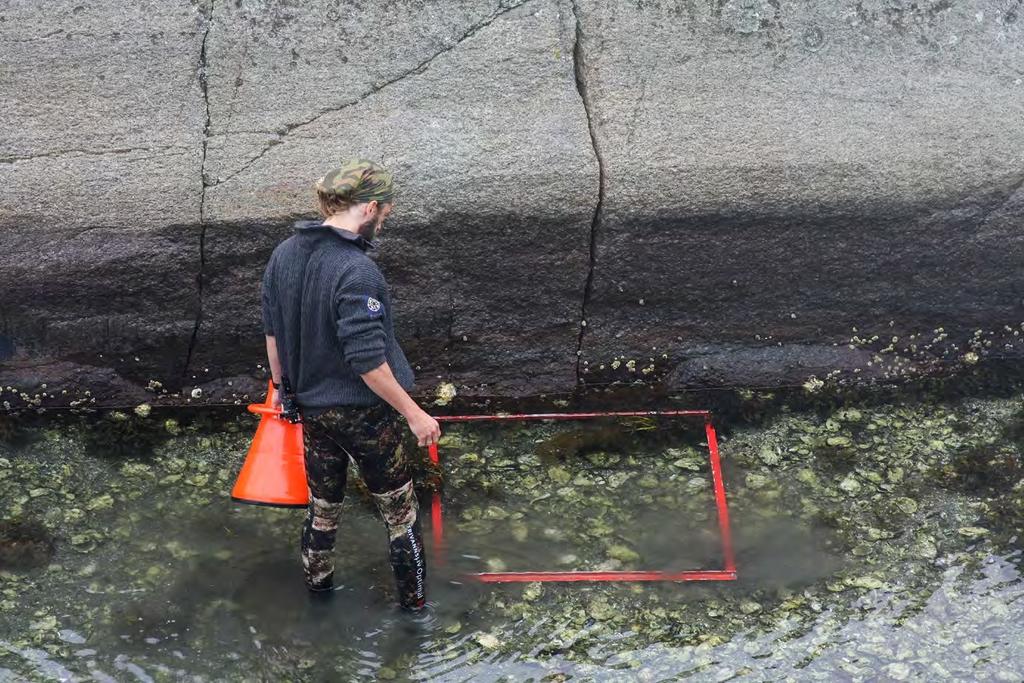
x,y
200,276
87,152
286,130
451,327
579,70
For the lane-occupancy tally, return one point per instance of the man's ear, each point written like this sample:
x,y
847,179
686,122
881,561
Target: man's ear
x,y
371,207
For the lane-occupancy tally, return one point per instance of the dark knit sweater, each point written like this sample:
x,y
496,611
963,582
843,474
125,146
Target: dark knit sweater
x,y
326,303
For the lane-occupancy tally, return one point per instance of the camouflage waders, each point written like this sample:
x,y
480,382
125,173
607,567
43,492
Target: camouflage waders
x,y
371,437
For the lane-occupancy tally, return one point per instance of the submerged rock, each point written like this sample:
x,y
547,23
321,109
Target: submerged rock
x,y
897,671
520,531
559,475
649,481
808,477
769,455
750,607
906,505
623,554
602,459
850,485
925,548
757,481
533,591
488,641
104,502
24,545
601,610
865,582
972,533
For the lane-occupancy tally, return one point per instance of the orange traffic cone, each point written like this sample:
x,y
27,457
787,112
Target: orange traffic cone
x,y
274,472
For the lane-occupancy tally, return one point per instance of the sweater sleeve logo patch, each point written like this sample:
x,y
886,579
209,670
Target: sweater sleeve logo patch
x,y
373,305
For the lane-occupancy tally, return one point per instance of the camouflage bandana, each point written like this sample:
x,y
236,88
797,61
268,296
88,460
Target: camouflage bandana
x,y
359,181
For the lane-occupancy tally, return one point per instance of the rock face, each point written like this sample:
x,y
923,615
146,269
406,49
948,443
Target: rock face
x,y
590,190
792,171
474,107
100,155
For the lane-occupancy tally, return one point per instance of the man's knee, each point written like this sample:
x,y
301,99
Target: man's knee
x,y
398,507
324,514
318,543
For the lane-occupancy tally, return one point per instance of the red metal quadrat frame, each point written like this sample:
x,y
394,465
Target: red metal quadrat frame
x,y
727,573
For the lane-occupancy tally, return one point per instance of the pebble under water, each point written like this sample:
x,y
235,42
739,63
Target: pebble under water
x,y
873,542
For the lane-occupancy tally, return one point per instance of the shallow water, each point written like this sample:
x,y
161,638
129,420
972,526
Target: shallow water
x,y
880,542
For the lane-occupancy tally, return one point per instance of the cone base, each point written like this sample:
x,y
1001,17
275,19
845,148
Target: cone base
x,y
264,503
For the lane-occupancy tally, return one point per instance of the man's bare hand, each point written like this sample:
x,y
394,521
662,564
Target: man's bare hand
x,y
425,428
383,383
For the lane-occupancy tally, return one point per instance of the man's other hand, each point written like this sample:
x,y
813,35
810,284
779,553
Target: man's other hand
x,y
290,409
426,428
383,383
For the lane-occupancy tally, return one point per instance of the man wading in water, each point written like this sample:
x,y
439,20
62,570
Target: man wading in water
x,y
331,346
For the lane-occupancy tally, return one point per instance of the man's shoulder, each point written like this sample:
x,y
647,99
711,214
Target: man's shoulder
x,y
285,245
282,250
355,267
